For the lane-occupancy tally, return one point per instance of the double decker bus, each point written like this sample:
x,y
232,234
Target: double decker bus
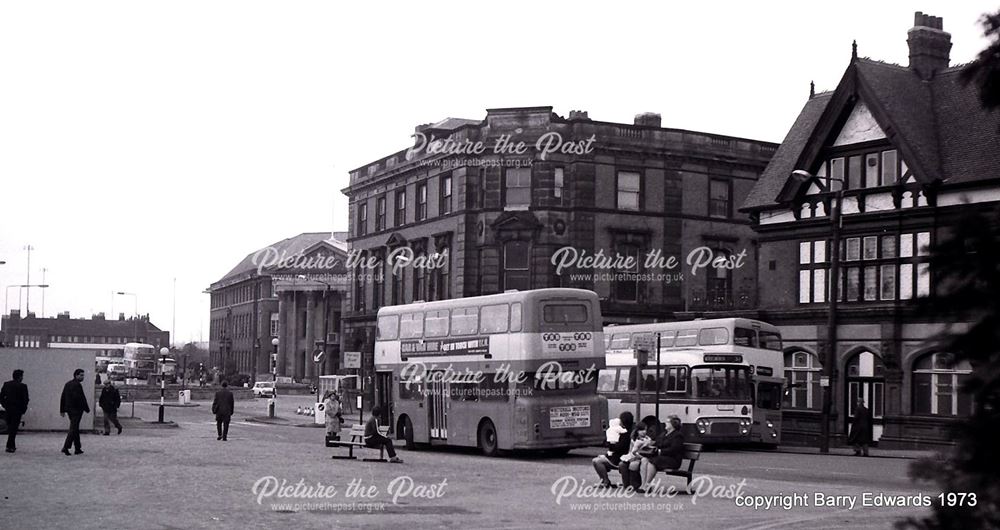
x,y
140,360
722,377
500,372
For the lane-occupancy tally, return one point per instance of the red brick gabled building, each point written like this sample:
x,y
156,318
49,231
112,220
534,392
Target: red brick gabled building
x,y
909,148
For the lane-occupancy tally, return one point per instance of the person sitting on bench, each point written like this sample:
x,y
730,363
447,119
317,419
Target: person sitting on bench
x,y
375,440
668,452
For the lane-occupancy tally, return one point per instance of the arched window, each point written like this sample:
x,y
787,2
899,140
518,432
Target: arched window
x,y
936,383
802,369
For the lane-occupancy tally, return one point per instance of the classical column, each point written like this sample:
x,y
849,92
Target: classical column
x,y
282,334
310,334
297,353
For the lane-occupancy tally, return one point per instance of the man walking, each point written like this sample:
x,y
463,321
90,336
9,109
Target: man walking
x,y
222,407
14,399
74,403
110,400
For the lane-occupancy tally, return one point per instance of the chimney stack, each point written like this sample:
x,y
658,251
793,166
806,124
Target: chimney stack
x,y
63,316
648,119
578,115
930,45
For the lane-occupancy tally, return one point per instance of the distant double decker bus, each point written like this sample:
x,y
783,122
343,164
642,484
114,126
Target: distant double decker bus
x,y
509,371
722,377
140,360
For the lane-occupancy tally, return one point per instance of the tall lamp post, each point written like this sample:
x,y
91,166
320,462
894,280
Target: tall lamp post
x,y
20,286
135,313
830,357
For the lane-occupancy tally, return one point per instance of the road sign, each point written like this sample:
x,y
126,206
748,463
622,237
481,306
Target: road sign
x,y
352,359
319,356
644,342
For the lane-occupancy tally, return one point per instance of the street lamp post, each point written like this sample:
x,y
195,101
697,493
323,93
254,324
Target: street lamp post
x,y
830,356
135,312
20,286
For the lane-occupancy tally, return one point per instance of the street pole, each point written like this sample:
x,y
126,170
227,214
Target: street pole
x,y
830,359
326,325
657,376
163,383
27,302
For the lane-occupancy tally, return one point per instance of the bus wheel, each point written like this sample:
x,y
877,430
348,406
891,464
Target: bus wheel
x,y
407,432
488,438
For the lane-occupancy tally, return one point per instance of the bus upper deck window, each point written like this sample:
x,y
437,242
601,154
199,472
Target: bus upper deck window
x,y
745,337
687,337
565,313
494,318
770,340
515,316
388,327
436,323
713,336
411,326
465,321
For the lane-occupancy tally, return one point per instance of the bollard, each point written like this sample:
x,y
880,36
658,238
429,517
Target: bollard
x,y
270,408
163,388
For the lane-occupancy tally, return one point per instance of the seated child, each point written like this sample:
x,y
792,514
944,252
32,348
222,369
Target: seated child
x,y
639,440
615,430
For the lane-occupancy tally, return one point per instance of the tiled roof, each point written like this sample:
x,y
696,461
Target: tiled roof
x,y
91,327
943,129
783,162
286,247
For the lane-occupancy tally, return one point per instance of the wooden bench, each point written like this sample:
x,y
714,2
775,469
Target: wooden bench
x,y
356,438
691,453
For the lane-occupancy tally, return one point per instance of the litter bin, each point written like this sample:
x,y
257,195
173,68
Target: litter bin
x,y
270,408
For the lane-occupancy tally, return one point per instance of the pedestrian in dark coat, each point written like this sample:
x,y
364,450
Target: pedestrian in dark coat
x,y
14,399
110,400
74,403
861,430
222,407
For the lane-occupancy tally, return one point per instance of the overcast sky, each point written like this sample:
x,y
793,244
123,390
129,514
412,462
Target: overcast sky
x,y
142,142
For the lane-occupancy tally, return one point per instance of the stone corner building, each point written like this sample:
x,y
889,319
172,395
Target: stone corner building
x,y
914,149
291,290
497,216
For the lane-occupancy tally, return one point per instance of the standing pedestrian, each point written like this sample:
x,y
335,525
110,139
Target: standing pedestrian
x,y
861,429
74,403
223,407
334,416
14,399
110,400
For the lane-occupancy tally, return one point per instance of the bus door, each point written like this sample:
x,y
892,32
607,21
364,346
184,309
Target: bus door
x,y
437,409
383,397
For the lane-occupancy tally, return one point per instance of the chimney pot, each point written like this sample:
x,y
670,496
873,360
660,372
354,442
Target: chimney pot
x,y
930,45
648,119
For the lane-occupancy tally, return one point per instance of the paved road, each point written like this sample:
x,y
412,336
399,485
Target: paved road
x,y
184,478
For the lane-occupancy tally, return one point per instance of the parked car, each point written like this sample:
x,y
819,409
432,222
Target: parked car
x,y
263,389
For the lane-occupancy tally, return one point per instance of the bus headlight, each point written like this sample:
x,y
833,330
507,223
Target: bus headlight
x,y
702,425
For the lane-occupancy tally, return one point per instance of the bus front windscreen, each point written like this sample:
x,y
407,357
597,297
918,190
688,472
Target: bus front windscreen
x,y
720,382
